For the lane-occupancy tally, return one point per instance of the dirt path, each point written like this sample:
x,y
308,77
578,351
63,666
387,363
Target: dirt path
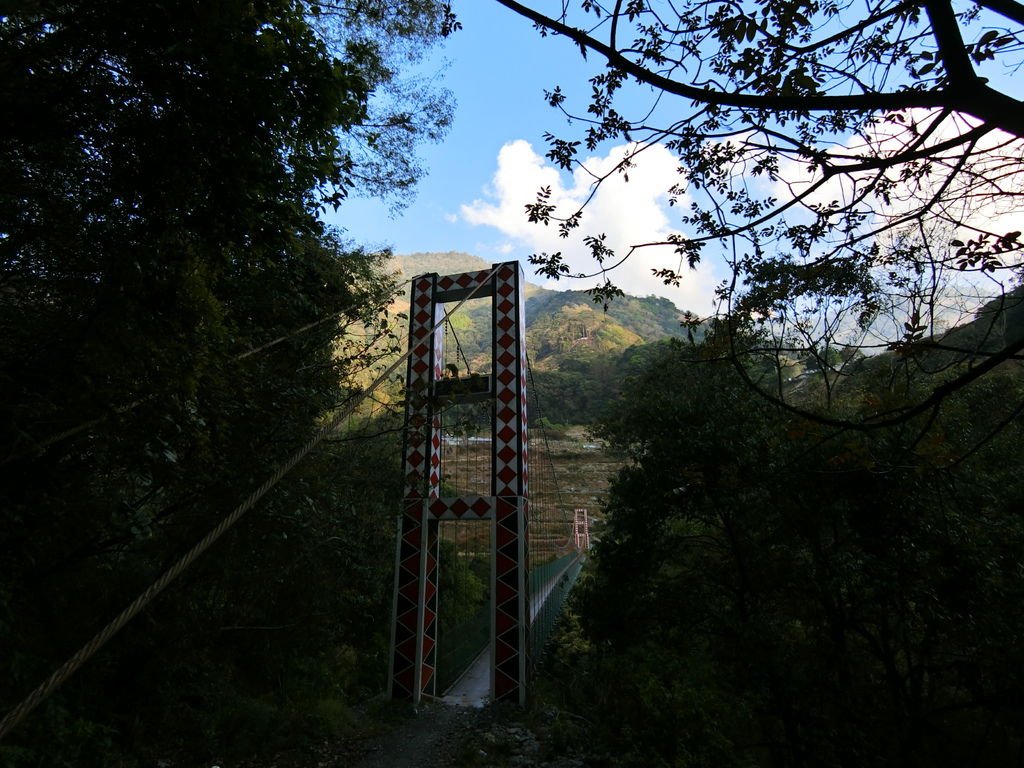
x,y
428,739
434,736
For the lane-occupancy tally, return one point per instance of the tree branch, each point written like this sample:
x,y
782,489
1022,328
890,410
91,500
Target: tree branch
x,y
1006,8
980,100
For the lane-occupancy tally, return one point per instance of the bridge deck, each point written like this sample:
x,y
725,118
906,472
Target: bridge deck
x,y
473,688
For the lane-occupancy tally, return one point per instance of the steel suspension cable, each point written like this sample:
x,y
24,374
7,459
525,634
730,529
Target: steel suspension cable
x,y
69,667
547,443
46,442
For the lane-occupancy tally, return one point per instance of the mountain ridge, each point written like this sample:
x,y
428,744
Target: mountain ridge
x,y
560,321
579,352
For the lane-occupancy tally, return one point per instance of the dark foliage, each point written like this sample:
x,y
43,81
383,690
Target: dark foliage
x,y
164,166
768,593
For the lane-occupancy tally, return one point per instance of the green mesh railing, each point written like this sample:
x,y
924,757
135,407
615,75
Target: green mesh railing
x,y
550,582
541,573
460,646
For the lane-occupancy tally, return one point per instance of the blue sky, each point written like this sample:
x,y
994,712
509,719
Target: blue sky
x,y
498,81
491,163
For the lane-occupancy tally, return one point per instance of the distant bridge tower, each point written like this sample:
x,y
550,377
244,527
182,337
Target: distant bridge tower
x,y
412,669
581,529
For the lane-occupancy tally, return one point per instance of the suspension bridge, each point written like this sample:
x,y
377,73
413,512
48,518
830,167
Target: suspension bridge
x,y
469,497
467,479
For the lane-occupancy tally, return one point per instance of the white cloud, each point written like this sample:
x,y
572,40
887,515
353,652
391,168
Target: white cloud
x,y
628,213
954,200
451,218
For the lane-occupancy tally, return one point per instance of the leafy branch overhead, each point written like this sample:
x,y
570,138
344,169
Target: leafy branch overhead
x,y
843,169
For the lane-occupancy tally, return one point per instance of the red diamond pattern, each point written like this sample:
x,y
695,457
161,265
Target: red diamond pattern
x,y
465,280
461,506
504,622
414,649
410,592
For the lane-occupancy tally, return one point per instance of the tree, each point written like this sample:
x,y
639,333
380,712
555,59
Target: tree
x,y
856,170
174,321
769,594
387,37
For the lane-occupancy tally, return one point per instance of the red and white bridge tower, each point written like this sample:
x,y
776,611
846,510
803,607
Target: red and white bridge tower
x,y
581,529
412,672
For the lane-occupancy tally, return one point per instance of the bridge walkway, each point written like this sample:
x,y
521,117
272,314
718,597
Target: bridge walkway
x,y
473,687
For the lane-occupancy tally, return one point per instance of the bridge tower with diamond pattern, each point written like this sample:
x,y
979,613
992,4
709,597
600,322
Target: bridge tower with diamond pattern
x,y
412,669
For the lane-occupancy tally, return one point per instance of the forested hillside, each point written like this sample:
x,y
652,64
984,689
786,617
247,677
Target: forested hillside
x,y
579,353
